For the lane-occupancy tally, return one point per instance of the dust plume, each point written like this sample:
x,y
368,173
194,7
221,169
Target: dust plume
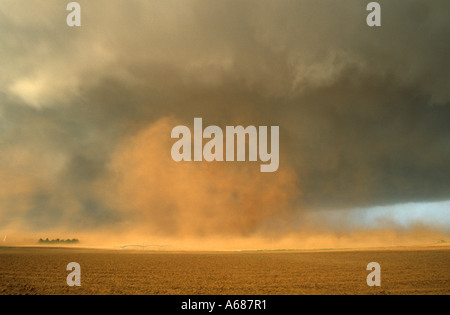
x,y
193,199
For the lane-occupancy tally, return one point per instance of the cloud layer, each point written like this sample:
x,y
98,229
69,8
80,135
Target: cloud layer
x,y
86,113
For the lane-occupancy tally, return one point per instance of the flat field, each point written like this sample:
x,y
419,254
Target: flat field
x,y
410,270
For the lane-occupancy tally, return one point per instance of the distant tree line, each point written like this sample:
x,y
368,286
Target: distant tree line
x,y
58,241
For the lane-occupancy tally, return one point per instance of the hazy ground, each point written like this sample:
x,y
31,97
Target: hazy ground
x,y
412,270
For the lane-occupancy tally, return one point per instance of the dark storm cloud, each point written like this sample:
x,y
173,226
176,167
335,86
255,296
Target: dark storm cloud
x,y
363,112
371,143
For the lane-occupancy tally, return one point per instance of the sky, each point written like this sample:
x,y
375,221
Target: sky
x,y
86,115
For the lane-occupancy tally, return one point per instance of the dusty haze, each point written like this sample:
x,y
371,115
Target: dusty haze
x,y
86,115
